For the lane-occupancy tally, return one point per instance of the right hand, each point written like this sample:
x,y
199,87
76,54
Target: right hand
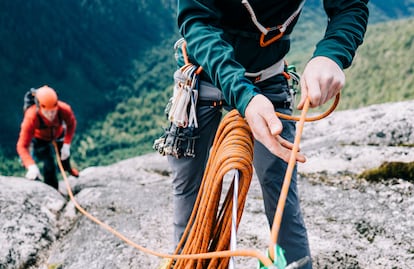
x,y
33,172
266,128
321,80
65,152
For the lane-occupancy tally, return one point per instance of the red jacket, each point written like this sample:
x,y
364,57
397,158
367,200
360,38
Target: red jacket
x,y
35,125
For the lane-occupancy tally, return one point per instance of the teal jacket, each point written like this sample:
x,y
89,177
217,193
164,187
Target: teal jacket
x,y
222,38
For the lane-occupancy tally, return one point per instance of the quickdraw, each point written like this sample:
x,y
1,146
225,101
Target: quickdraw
x,y
184,100
293,78
172,142
181,111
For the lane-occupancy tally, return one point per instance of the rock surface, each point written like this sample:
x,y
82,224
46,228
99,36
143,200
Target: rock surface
x,y
351,223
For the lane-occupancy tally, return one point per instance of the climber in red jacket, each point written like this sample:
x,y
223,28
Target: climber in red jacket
x,y
46,121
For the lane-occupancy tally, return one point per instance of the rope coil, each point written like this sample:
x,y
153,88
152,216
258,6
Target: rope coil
x,y
209,228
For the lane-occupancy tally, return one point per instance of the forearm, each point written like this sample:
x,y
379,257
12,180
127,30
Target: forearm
x,y
24,154
206,45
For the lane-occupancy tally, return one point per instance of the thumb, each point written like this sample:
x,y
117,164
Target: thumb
x,y
273,123
304,94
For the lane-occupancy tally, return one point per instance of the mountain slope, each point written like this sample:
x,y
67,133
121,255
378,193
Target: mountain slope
x,y
113,62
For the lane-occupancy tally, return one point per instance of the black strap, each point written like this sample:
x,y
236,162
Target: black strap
x,y
282,104
210,103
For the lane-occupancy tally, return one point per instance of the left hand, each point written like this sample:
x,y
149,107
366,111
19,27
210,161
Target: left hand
x,y
65,152
321,80
266,128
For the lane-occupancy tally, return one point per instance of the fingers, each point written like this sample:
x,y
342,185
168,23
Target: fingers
x,y
266,128
262,119
321,80
310,89
273,124
289,146
303,96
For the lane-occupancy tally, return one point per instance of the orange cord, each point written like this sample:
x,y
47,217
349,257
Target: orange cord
x,y
219,254
209,228
185,56
286,181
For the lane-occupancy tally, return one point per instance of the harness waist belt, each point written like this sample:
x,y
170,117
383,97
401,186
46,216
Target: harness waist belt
x,y
269,72
210,95
210,103
209,92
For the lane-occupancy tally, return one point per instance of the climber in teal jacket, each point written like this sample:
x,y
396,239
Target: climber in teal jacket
x,y
237,42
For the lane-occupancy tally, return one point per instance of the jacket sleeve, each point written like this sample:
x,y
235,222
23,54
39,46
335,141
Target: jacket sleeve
x,y
26,134
347,23
198,21
70,121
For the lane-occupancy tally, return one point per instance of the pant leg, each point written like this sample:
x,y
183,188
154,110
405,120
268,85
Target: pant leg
x,y
43,152
188,172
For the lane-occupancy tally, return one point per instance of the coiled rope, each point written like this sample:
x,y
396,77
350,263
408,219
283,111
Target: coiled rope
x,y
208,234
209,229
219,254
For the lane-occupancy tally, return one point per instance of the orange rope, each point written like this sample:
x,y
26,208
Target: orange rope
x,y
219,254
314,118
286,181
209,228
207,236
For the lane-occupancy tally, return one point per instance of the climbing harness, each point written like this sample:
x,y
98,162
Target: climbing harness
x,y
265,31
212,229
181,112
183,103
266,73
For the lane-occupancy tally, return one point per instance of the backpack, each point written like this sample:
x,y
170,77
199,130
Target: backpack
x,y
29,99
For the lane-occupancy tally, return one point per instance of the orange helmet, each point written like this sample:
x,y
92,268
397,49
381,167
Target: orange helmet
x,y
46,98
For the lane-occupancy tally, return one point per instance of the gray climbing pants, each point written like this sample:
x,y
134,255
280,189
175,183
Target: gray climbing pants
x,y
188,173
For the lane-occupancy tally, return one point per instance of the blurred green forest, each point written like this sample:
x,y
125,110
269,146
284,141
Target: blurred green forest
x,y
117,75
382,72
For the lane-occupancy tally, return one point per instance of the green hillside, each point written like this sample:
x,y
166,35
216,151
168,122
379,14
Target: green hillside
x,y
113,62
382,72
